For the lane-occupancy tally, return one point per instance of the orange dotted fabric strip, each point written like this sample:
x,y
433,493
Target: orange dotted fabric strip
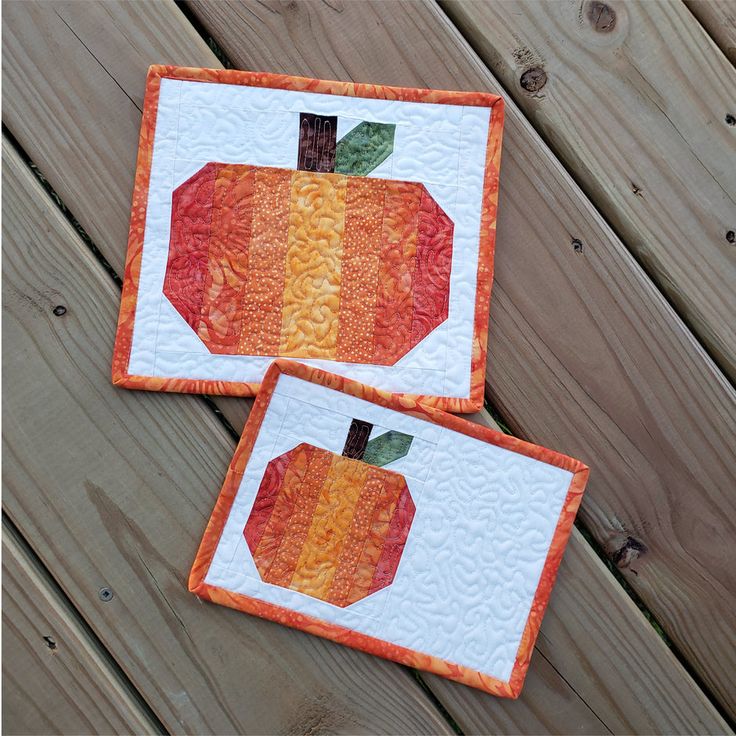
x,y
342,592
360,265
264,292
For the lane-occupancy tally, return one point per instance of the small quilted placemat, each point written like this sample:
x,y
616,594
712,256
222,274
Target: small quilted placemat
x,y
389,526
348,225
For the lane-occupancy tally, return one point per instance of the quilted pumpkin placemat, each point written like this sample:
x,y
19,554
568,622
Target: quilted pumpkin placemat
x,y
391,527
348,225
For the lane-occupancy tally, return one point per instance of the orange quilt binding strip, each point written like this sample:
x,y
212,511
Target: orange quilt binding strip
x,y
121,355
340,634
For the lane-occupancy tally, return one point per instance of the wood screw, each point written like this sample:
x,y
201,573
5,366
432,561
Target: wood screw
x,y
577,245
730,119
105,594
731,237
59,310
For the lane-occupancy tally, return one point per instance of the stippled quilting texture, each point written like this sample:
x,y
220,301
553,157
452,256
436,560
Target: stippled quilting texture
x,y
353,232
440,548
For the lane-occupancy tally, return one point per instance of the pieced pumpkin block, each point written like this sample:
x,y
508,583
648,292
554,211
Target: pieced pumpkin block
x,y
332,526
310,263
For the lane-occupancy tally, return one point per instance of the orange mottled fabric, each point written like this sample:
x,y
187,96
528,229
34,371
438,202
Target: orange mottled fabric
x,y
327,525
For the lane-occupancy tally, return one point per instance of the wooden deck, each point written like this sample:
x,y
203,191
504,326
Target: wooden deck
x,y
612,339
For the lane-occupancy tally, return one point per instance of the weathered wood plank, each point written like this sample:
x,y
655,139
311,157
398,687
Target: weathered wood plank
x,y
634,105
123,495
585,354
55,677
83,132
121,53
718,17
116,487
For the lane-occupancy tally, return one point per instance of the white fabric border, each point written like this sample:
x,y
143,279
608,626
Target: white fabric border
x,y
442,146
484,521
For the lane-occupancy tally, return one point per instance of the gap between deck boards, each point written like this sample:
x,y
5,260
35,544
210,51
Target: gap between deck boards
x,y
141,712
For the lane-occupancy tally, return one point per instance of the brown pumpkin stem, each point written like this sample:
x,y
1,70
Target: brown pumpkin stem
x,y
357,153
317,142
357,439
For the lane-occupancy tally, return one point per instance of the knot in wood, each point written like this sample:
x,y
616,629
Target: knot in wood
x,y
629,551
532,80
601,16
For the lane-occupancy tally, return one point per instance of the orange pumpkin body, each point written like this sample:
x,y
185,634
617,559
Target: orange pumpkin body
x,y
280,262
328,526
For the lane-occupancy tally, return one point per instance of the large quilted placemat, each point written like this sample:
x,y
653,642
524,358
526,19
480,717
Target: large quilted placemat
x,y
391,527
348,225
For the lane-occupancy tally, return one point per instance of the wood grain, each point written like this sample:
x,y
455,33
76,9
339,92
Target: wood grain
x,y
124,497
635,105
115,487
83,134
586,356
718,17
122,51
56,679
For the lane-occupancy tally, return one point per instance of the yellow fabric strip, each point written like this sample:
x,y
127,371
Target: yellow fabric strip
x,y
313,265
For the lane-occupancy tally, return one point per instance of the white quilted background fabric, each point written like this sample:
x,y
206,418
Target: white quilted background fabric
x,y
442,146
484,521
